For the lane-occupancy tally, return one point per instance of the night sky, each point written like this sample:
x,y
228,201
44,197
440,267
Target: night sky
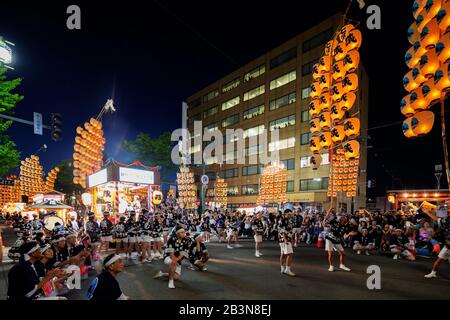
x,y
151,55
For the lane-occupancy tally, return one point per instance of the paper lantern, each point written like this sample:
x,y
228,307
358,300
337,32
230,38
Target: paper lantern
x,y
418,77
329,47
314,108
80,130
325,140
351,149
421,21
407,128
417,7
314,125
422,123
339,52
314,144
351,61
337,91
344,32
338,71
336,113
353,40
431,9
325,120
443,17
417,100
411,58
429,64
315,90
350,83
430,92
316,161
337,133
352,127
442,80
430,34
324,82
325,64
413,33
325,102
408,82
443,49
315,72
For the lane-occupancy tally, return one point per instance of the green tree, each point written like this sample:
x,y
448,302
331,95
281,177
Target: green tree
x,y
153,152
9,155
64,180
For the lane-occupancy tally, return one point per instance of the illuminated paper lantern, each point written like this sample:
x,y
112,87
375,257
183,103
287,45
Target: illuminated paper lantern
x,y
314,144
325,102
336,113
315,90
338,133
330,46
430,92
413,33
350,83
325,64
430,34
429,64
338,71
443,17
353,40
351,61
422,123
324,82
352,127
344,32
325,140
314,108
421,21
316,161
325,120
412,59
443,49
417,100
314,125
337,91
442,80
408,82
431,9
351,149
407,128
339,52
417,7
316,72
418,77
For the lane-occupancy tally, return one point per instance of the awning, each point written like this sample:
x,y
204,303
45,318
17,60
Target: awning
x,y
50,205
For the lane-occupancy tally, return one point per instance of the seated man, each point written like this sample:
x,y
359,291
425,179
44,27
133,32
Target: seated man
x,y
398,245
176,251
364,242
198,254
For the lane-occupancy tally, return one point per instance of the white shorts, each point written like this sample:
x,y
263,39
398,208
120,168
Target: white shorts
x,y
145,238
132,239
107,238
297,230
168,261
286,248
444,254
230,233
158,239
124,240
258,238
330,246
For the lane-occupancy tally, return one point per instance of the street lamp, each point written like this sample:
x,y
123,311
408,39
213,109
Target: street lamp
x,y
5,53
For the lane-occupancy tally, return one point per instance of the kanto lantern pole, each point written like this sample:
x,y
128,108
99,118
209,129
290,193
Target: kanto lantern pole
x,y
444,139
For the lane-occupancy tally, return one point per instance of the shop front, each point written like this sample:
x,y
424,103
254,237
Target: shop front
x,y
414,198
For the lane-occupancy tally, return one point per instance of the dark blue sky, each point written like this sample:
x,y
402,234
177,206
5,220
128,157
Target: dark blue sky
x,y
153,54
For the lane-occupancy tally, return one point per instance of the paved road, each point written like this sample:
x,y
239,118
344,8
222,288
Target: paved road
x,y
238,274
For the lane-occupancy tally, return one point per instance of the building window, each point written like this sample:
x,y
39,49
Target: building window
x,y
211,176
305,162
250,189
252,170
254,131
253,150
231,103
304,138
195,103
196,117
210,112
213,94
282,144
314,184
231,85
255,73
283,58
230,156
254,93
325,158
253,112
282,123
308,67
283,101
290,186
230,173
212,127
283,80
306,116
289,164
306,93
195,149
317,40
230,120
232,191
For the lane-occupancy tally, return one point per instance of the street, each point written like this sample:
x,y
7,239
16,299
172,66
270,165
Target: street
x,y
238,274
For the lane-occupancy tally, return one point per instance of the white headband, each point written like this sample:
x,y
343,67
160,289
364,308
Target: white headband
x,y
45,248
26,256
180,230
112,260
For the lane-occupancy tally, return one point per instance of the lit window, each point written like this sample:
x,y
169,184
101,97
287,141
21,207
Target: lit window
x,y
255,131
231,85
212,127
305,162
210,112
213,94
230,103
230,120
306,116
254,93
282,144
304,139
253,112
282,123
282,101
306,93
283,80
255,73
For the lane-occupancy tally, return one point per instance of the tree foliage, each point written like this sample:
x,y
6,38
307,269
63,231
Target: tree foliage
x,y
64,180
